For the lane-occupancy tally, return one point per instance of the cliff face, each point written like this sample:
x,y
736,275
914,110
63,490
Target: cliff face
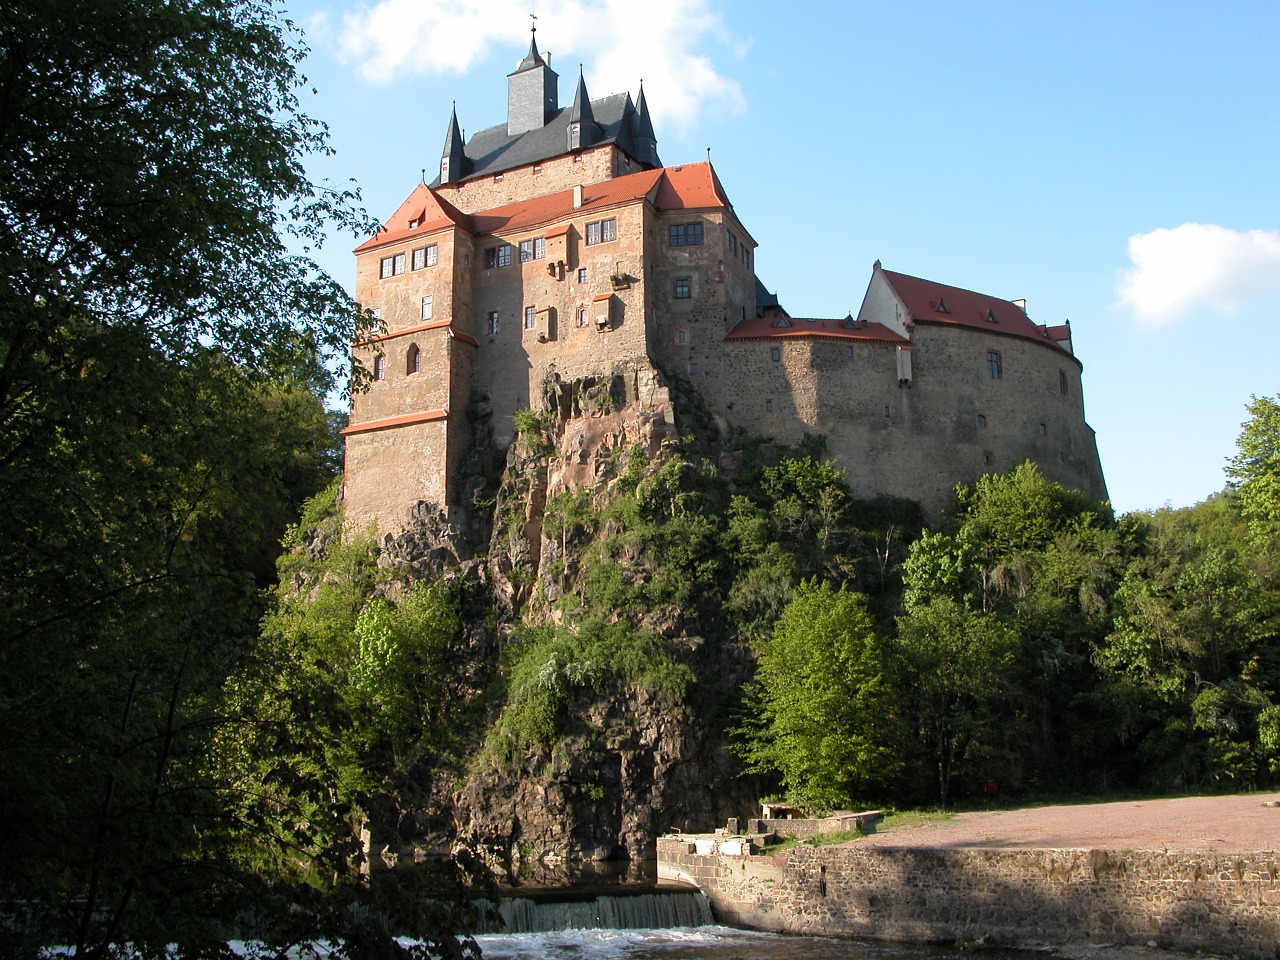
x,y
626,759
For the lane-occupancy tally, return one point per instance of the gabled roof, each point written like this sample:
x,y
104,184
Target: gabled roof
x,y
962,308
423,212
689,187
553,207
764,328
493,150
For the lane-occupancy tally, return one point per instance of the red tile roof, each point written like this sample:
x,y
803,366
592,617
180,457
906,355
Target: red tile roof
x,y
692,186
596,197
930,302
763,328
424,208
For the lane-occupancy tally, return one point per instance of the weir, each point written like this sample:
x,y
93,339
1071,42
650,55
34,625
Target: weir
x,y
632,910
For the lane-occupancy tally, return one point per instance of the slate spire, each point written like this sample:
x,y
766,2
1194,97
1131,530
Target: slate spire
x,y
453,162
583,129
642,132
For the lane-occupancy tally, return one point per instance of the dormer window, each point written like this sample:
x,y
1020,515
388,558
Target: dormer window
x,y
782,322
941,307
991,316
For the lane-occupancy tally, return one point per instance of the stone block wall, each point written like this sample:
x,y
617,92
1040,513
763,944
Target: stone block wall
x,y
558,173
1190,901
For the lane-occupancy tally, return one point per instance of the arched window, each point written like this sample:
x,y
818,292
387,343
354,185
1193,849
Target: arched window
x,y
413,361
379,367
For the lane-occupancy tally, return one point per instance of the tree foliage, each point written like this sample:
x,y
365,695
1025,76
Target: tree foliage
x,y
821,712
161,421
1255,469
958,665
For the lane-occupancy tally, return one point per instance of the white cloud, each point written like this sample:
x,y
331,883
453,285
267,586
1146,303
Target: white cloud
x,y
619,42
1196,266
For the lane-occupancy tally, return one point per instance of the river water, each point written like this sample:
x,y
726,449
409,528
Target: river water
x,y
705,943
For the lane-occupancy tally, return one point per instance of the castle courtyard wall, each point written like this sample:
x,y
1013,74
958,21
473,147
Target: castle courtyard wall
x,y
1227,903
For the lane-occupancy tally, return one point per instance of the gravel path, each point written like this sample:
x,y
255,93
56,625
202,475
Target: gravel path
x,y
1233,823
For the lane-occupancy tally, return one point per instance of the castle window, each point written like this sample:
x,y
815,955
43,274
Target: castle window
x,y
732,241
768,406
379,367
425,257
886,410
426,308
602,231
982,422
1044,430
775,354
693,369
684,234
534,249
413,360
530,317
994,367
582,274
682,288
848,353
582,316
681,337
497,256
392,266
1062,382
493,321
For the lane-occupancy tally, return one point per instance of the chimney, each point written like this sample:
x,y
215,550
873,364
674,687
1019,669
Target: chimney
x,y
577,196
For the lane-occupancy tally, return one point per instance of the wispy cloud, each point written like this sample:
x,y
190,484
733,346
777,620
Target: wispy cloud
x,y
1195,266
619,42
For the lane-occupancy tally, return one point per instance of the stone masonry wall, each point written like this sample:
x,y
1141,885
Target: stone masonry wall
x,y
558,173
1202,901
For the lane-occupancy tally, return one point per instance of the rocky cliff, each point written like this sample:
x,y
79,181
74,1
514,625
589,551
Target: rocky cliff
x,y
579,525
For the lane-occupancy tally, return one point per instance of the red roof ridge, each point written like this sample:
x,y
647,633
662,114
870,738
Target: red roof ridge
x,y
423,212
924,300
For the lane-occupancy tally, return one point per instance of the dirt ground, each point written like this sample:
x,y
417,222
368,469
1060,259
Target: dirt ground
x,y
1247,823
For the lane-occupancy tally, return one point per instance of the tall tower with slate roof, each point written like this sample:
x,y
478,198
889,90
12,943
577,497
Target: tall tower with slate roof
x,y
532,92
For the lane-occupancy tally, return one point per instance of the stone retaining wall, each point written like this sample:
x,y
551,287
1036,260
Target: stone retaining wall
x,y
1192,901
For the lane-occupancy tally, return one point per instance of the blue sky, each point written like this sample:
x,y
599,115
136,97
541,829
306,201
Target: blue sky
x,y
1115,164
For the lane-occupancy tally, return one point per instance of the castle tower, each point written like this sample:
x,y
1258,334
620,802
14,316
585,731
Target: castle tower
x,y
532,92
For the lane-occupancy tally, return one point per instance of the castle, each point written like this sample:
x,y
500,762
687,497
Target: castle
x,y
557,246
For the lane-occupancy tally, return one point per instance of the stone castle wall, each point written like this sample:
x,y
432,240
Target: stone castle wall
x,y
1191,901
558,173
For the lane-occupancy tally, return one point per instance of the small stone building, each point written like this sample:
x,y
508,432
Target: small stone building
x,y
557,245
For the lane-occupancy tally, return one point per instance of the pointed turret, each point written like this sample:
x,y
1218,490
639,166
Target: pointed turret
x,y
532,91
642,132
453,162
583,129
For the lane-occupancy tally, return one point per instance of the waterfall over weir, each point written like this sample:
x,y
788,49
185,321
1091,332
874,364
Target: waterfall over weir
x,y
632,911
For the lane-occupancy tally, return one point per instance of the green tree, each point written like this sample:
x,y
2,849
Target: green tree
x,y
1255,469
957,665
161,357
821,713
